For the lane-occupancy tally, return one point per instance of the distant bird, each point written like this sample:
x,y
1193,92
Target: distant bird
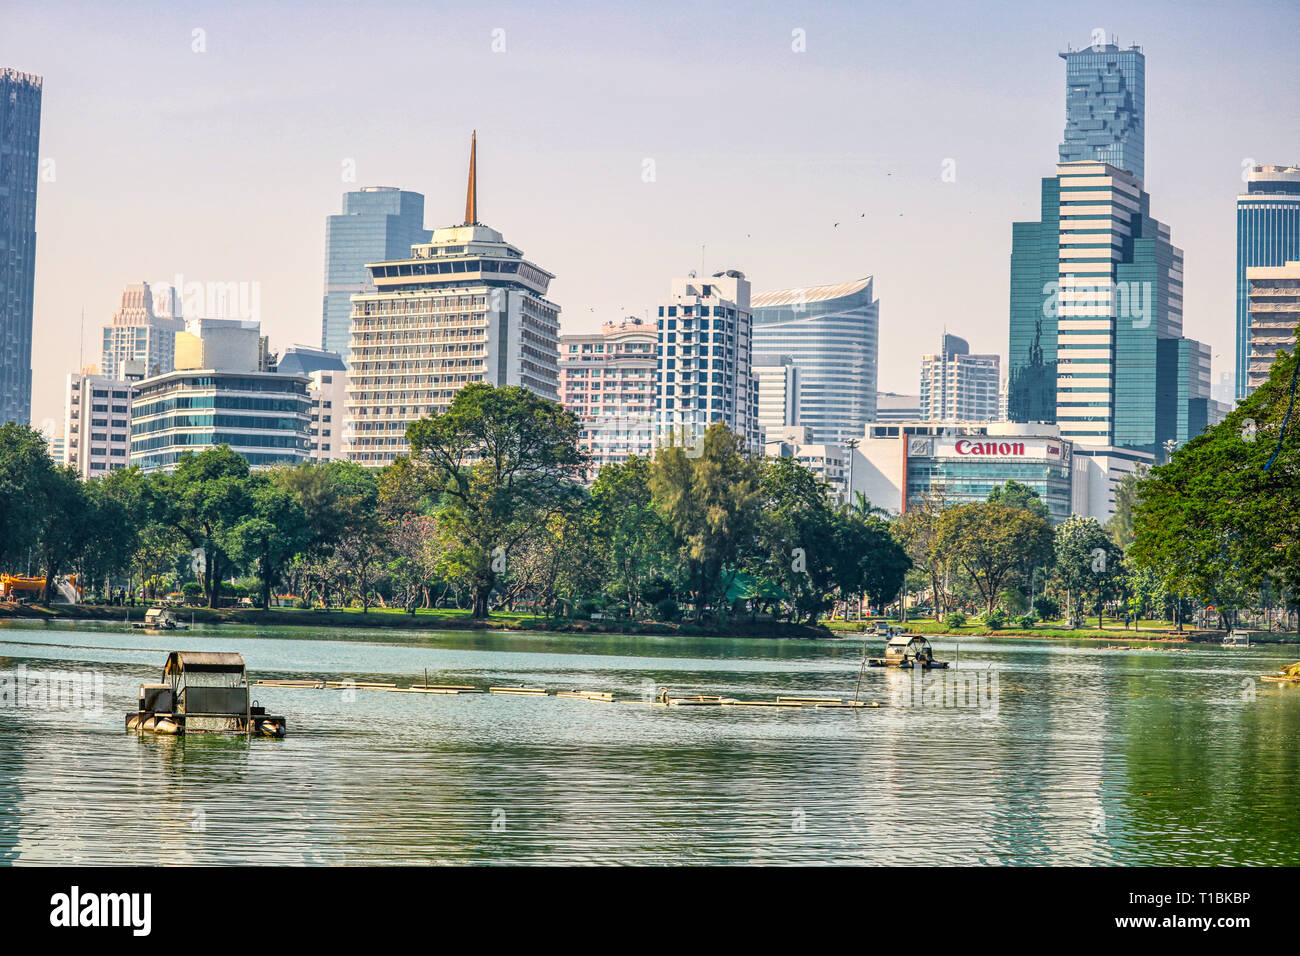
x,y
836,226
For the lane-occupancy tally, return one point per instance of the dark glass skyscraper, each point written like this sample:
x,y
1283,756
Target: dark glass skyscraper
x,y
378,224
1268,234
1105,107
20,133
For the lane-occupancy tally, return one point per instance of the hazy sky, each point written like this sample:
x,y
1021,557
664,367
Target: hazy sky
x,y
222,165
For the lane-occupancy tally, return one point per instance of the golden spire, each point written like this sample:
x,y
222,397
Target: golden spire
x,y
471,192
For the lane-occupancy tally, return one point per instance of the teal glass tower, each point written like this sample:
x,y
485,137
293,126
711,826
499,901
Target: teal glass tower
x,y
378,224
1105,107
20,132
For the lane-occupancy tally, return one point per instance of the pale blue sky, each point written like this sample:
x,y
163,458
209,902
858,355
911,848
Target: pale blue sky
x,y
223,165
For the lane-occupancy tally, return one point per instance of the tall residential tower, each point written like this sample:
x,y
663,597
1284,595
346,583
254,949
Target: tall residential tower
x,y
1268,236
20,133
1105,107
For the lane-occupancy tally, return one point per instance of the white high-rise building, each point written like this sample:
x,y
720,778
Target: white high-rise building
x,y
97,420
138,333
465,307
778,392
328,389
705,354
959,386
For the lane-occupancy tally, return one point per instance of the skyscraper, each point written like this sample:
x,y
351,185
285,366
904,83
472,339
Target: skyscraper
x,y
378,223
957,386
1268,235
1105,107
1273,296
465,306
705,355
137,334
20,133
831,333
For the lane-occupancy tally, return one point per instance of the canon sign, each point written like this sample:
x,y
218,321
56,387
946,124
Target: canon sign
x,y
966,447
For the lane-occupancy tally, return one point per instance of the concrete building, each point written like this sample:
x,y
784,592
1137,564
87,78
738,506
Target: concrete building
x,y
896,465
378,224
20,134
223,391
607,379
705,360
1268,235
778,392
830,461
831,334
464,307
959,386
894,407
328,389
136,333
1273,303
97,420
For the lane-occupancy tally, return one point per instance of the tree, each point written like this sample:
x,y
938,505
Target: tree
x,y
62,530
869,559
24,463
636,541
1088,563
710,505
797,551
505,461
274,530
204,499
989,541
1013,494
917,530
1120,525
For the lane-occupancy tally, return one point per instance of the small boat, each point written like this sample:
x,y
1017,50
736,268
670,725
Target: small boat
x,y
159,619
906,650
202,692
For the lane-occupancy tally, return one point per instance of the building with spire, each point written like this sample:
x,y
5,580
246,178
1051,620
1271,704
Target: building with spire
x,y
463,307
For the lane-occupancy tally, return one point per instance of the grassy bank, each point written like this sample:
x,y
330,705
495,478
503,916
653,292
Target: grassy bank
x,y
422,619
1141,632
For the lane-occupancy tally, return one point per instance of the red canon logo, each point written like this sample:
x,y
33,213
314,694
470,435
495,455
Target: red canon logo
x,y
967,447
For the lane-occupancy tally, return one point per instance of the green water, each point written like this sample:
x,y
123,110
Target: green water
x,y
1084,756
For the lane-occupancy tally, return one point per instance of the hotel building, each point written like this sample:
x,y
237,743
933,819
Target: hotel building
x,y
607,379
464,307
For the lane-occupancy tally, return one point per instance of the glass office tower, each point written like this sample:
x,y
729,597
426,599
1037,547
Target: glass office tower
x,y
1268,234
831,334
20,132
1105,107
379,223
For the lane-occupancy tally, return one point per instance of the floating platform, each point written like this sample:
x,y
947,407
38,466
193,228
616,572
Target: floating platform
x,y
202,692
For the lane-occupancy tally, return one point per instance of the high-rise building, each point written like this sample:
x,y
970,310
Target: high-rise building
x,y
893,407
327,388
1105,107
831,333
137,334
97,420
778,392
20,133
959,386
1268,234
1273,305
378,224
464,307
705,360
607,379
1083,351
222,392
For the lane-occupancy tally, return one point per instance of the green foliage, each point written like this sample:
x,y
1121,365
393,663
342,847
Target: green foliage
x,y
1013,494
1088,563
954,619
995,619
1026,621
991,542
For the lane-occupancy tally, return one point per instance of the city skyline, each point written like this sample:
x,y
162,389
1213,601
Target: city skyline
x,y
233,198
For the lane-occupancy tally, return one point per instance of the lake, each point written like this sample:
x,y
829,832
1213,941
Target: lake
x,y
1062,753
